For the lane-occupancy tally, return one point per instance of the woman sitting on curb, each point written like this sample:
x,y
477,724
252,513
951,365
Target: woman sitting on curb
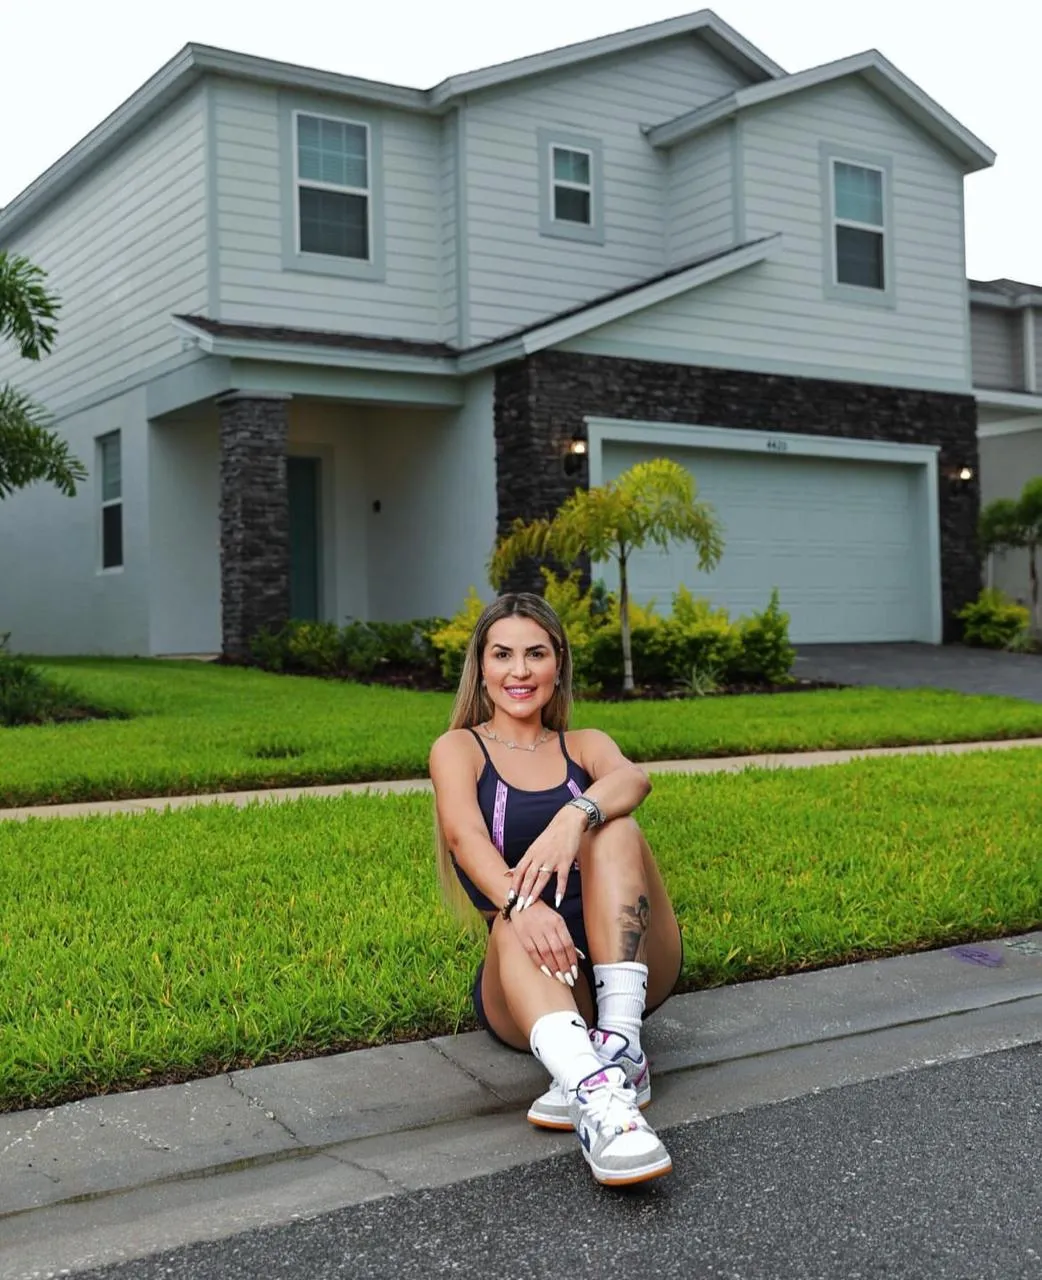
x,y
582,939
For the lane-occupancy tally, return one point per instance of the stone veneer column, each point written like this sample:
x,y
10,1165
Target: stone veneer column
x,y
254,512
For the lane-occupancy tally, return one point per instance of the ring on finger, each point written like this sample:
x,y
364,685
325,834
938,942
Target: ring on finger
x,y
548,870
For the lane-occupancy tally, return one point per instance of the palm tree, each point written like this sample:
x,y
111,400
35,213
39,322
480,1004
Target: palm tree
x,y
29,449
1010,524
653,502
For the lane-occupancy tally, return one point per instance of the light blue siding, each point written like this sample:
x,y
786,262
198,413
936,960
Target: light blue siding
x,y
516,275
125,248
701,214
998,348
252,173
775,316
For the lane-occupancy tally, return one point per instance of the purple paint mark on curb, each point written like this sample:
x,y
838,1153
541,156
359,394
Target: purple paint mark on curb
x,y
990,957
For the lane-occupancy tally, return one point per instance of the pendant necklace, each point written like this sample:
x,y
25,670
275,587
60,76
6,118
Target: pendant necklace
x,y
516,746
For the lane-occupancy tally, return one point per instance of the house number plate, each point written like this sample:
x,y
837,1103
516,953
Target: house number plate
x,y
777,446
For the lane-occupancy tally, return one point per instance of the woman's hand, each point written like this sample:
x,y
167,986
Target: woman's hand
x,y
551,854
544,935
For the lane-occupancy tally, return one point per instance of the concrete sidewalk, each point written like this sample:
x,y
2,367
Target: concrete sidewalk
x,y
214,1156
721,764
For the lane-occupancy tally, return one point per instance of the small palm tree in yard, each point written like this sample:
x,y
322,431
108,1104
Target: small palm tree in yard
x,y
652,503
1011,524
29,449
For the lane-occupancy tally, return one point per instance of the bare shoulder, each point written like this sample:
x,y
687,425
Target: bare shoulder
x,y
595,750
453,749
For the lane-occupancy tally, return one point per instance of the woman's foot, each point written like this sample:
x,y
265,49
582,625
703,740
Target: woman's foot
x,y
551,1109
620,1146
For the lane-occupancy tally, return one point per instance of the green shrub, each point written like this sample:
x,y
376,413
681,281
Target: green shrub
x,y
766,656
450,641
354,650
994,621
27,696
699,638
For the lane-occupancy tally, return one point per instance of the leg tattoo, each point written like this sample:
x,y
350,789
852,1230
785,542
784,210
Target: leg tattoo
x,y
633,928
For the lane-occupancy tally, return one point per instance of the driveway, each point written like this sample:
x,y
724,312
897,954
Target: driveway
x,y
910,666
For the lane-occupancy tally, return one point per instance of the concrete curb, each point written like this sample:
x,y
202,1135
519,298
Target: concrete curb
x,y
335,1106
722,764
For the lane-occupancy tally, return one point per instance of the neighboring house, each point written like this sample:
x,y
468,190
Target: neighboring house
x,y
1007,373
323,337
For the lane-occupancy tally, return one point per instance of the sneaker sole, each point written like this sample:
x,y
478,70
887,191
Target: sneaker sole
x,y
657,1170
563,1125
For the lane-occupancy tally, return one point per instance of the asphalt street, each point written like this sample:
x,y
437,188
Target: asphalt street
x,y
925,1175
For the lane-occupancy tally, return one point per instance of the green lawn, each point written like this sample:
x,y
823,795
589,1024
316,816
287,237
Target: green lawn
x,y
167,946
199,727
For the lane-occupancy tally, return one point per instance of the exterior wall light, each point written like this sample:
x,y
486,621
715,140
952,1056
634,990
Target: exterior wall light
x,y
574,454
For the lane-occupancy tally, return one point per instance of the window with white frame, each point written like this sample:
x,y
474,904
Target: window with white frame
x,y
571,186
110,471
333,203
572,192
859,225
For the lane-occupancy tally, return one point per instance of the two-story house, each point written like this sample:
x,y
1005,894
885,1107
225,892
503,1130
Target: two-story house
x,y
322,337
1006,318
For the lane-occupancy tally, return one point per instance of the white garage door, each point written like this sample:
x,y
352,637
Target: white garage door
x,y
842,540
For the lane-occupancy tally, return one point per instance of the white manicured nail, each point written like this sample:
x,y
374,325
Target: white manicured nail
x,y
569,979
544,969
557,901
575,971
560,977
580,954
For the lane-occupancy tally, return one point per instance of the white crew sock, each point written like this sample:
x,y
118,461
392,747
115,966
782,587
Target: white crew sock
x,y
561,1042
621,991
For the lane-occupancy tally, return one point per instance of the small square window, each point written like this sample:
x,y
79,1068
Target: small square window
x,y
573,190
571,186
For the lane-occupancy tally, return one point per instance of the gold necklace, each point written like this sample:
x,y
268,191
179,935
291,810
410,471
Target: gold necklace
x,y
545,736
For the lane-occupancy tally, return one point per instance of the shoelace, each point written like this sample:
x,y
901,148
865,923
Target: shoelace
x,y
614,1105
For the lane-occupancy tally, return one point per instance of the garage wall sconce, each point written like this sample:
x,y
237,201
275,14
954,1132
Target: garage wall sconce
x,y
958,475
574,455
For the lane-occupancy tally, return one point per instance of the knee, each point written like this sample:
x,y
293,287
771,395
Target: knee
x,y
619,838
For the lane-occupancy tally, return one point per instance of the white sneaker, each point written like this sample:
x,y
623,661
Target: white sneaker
x,y
551,1109
619,1145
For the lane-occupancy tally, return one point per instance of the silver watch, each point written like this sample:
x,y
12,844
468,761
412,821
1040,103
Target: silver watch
x,y
593,811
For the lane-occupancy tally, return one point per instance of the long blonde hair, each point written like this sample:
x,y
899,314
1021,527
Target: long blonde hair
x,y
473,706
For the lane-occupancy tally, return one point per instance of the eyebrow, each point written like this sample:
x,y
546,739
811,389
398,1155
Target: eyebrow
x,y
528,648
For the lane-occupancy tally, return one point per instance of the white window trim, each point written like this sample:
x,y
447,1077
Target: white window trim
x,y
591,232
875,228
831,154
292,105
313,185
567,185
102,568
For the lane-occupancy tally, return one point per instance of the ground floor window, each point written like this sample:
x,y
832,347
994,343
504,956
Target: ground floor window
x,y
110,472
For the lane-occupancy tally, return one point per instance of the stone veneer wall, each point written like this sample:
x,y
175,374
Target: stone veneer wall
x,y
541,403
254,517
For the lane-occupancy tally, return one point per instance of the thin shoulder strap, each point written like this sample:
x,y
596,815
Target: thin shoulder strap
x,y
484,749
564,749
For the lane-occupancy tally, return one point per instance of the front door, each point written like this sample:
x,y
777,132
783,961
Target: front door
x,y
303,479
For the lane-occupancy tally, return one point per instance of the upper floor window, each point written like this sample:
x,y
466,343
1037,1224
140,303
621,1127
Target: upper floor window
x,y
333,198
858,249
110,470
571,186
857,195
332,189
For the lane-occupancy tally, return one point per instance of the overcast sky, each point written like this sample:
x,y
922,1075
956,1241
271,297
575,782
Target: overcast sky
x,y
67,63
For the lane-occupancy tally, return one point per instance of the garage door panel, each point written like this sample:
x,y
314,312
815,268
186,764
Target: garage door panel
x,y
838,538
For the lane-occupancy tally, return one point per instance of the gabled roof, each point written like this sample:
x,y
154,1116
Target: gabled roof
x,y
874,69
324,346
194,61
1005,293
